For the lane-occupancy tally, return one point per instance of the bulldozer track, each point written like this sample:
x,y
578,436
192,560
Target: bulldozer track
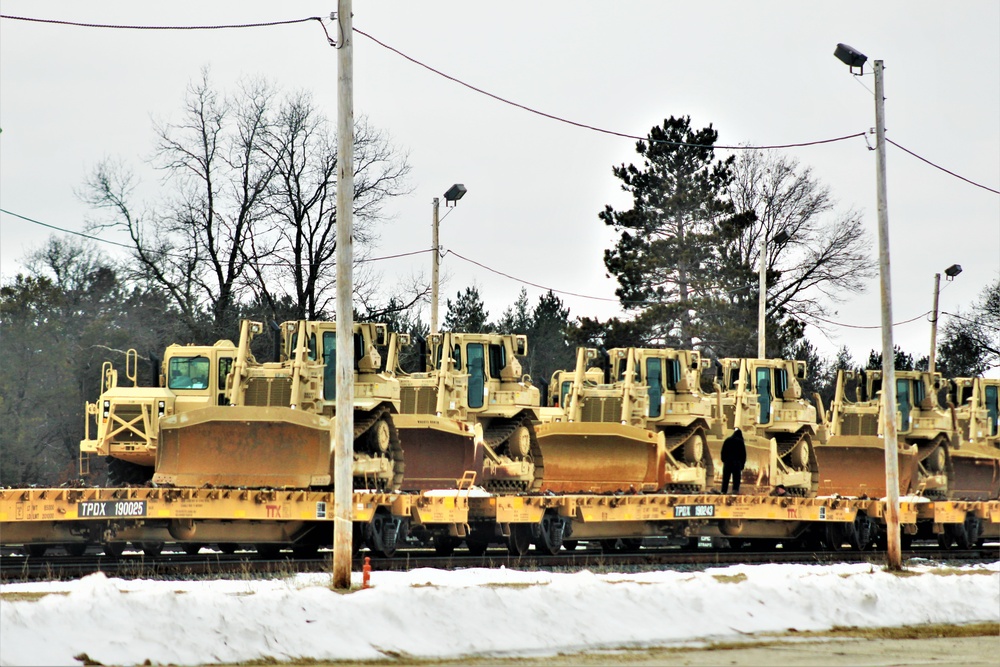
x,y
363,422
677,438
789,441
500,429
924,449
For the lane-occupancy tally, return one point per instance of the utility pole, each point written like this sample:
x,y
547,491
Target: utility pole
x,y
762,295
435,267
933,355
343,429
895,555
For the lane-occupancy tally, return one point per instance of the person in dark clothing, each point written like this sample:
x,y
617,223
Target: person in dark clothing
x,y
734,459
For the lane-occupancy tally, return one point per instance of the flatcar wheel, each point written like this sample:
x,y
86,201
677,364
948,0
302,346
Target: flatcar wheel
x,y
383,534
631,545
836,536
114,550
151,549
477,546
571,545
75,549
444,545
550,533
305,550
519,540
269,551
37,550
609,546
191,548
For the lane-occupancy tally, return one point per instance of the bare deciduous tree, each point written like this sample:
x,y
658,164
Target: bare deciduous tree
x,y
827,252
251,213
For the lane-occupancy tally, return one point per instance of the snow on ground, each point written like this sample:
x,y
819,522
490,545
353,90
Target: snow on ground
x,y
486,612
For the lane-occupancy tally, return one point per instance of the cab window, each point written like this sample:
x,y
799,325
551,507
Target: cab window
x,y
654,382
764,394
330,365
903,403
780,382
188,373
673,373
225,365
498,359
311,345
476,359
993,408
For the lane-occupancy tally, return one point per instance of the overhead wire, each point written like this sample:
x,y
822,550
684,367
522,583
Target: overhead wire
x,y
170,255
336,44
475,263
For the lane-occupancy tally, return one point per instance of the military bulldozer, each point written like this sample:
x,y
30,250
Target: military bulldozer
x,y
642,430
128,418
470,409
276,430
976,461
852,462
763,398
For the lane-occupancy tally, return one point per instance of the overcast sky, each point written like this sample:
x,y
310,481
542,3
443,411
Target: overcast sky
x,y
761,72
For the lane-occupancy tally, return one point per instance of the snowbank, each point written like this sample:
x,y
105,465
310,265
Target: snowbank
x,y
425,613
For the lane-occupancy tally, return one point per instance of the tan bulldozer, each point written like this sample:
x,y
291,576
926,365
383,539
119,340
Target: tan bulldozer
x,y
276,430
470,409
976,461
852,462
643,430
763,397
127,418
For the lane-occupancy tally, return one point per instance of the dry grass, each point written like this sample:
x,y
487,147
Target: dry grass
x,y
27,596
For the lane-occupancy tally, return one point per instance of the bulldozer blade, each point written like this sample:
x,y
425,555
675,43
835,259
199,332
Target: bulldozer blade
x,y
257,447
437,451
598,457
855,466
756,478
976,473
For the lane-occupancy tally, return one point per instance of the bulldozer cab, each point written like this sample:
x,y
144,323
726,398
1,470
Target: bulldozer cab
x,y
669,376
916,397
483,372
561,385
773,383
977,407
127,417
306,374
196,374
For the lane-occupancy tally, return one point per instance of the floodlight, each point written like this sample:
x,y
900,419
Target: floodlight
x,y
454,193
851,57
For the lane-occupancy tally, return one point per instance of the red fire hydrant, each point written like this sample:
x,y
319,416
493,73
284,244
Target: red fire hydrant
x,y
366,573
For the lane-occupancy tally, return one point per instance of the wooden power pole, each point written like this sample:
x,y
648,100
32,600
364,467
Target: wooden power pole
x,y
343,429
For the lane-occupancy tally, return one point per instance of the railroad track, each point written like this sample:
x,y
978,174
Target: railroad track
x,y
18,568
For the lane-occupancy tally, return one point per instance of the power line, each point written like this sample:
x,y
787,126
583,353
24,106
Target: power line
x,y
972,321
875,326
937,166
117,26
526,282
585,126
163,253
470,261
332,42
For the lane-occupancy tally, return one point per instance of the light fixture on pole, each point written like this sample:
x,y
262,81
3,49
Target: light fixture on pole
x,y
951,272
451,196
854,58
780,237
